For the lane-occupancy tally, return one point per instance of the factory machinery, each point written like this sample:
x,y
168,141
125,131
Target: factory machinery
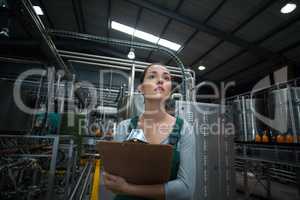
x,y
50,153
268,139
35,167
41,158
73,172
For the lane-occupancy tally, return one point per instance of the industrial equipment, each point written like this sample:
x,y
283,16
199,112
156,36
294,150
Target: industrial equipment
x,y
246,122
213,128
267,137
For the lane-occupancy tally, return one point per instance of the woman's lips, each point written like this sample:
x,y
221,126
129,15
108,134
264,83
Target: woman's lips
x,y
159,89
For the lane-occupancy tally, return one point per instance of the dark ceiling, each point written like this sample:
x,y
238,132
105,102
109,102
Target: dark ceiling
x,y
239,40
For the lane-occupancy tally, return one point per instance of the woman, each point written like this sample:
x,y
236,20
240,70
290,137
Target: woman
x,y
159,127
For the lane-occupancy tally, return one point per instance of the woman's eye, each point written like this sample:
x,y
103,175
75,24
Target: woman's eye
x,y
167,78
151,76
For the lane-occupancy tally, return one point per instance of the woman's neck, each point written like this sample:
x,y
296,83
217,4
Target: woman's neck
x,y
155,110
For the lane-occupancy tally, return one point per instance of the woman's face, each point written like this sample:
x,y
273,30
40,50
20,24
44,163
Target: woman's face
x,y
157,83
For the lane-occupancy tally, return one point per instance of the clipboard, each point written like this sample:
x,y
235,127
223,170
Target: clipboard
x,y
143,164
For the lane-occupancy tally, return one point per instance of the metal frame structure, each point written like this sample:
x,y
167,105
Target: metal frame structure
x,y
127,65
263,159
214,153
257,64
103,40
207,29
56,145
83,182
266,156
292,95
110,62
161,34
40,32
253,48
173,15
79,17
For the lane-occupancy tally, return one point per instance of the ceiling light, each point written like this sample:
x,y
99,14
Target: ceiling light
x,y
121,27
131,54
171,45
3,4
38,10
288,8
4,32
144,36
201,67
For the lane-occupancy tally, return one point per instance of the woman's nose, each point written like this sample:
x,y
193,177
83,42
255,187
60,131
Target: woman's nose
x,y
160,81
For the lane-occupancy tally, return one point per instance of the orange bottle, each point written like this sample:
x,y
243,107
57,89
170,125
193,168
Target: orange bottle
x,y
289,136
280,138
265,137
98,132
258,137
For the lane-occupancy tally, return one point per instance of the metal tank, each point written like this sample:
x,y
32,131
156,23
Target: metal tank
x,y
278,109
296,111
284,110
214,149
245,121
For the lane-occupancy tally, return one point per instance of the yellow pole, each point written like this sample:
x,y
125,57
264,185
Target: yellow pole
x,y
96,181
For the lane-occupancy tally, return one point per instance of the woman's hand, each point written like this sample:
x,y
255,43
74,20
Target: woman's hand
x,y
116,184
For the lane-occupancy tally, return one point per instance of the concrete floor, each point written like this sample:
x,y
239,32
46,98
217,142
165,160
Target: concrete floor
x,y
279,191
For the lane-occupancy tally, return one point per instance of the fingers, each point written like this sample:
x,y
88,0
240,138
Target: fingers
x,y
110,176
107,181
112,186
113,177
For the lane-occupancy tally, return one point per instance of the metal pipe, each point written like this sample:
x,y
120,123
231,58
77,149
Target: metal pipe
x,y
51,88
37,101
79,181
86,181
69,166
68,53
292,114
85,60
244,118
137,45
96,60
15,81
10,165
20,60
31,155
40,32
101,65
138,63
192,72
132,80
113,66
